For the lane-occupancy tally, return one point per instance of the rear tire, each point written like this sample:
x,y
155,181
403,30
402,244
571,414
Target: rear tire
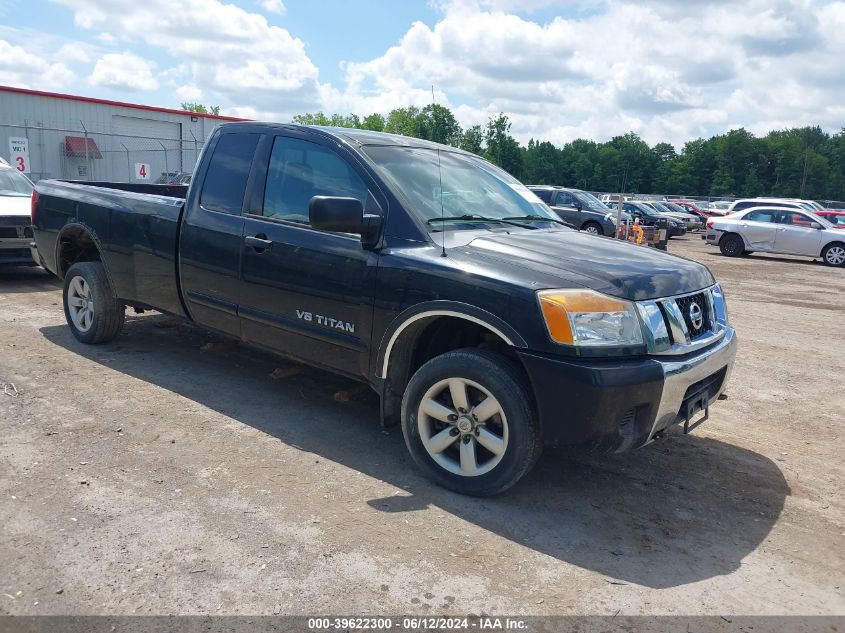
x,y
469,422
731,246
93,312
834,255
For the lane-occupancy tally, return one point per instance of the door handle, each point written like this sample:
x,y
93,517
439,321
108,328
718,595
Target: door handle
x,y
259,242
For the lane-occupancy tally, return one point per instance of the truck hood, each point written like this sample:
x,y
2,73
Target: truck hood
x,y
14,205
569,259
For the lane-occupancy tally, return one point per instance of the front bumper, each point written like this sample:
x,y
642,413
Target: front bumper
x,y
616,405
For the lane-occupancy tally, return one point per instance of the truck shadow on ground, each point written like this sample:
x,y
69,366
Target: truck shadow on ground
x,y
680,511
26,279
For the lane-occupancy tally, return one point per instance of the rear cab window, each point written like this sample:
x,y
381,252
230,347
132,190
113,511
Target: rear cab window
x,y
228,172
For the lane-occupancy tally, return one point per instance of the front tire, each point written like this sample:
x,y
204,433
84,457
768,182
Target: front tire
x,y
93,312
732,246
834,255
593,228
469,422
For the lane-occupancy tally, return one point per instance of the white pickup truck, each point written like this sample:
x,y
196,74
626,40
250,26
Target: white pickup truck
x,y
15,224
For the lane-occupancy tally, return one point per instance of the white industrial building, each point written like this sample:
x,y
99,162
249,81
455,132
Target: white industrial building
x,y
50,135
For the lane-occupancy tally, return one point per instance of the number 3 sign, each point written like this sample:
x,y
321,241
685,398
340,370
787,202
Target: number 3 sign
x,y
19,153
142,171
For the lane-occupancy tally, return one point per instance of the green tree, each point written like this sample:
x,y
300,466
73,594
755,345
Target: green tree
x,y
200,108
404,121
437,123
374,122
472,140
500,147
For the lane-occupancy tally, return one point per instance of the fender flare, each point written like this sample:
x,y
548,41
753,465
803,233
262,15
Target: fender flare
x,y
431,309
77,225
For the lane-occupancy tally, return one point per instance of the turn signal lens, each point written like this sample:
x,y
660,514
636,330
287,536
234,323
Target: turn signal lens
x,y
589,318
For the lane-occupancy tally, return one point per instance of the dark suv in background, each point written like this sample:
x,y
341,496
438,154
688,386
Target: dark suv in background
x,y
579,209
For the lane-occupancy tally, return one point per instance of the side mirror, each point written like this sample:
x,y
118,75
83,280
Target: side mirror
x,y
344,215
578,206
815,225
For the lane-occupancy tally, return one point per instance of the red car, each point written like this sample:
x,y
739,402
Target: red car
x,y
836,218
691,207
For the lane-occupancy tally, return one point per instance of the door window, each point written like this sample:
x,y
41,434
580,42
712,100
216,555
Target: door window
x,y
763,216
225,182
300,170
564,199
544,194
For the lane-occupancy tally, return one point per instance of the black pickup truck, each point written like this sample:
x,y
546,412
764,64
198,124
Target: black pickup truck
x,y
486,327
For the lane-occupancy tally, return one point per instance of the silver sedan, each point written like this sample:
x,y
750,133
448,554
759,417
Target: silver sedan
x,y
777,230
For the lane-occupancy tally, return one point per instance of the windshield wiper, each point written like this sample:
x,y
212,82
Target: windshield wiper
x,y
539,218
472,217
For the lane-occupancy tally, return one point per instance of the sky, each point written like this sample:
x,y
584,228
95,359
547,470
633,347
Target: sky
x,y
669,70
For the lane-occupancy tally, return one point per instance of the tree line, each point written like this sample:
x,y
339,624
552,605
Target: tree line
x,y
799,162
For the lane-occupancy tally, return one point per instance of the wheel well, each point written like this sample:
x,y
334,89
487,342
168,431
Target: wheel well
x,y
425,339
76,245
731,233
825,247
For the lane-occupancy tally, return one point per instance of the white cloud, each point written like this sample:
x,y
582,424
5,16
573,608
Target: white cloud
x,y
189,93
273,6
666,70
232,55
124,71
21,68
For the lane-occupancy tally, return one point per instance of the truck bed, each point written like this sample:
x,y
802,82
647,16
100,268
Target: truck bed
x,y
136,227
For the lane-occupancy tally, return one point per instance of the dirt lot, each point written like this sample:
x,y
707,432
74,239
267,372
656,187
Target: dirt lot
x,y
152,476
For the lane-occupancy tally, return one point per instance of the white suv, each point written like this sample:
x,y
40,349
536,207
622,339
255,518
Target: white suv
x,y
15,225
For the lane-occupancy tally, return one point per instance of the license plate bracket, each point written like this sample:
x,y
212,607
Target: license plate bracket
x,y
700,402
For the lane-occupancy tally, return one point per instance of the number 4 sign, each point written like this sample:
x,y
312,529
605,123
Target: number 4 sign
x,y
142,171
19,153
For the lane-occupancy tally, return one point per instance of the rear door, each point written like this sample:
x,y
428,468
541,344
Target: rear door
x,y
759,228
211,237
796,236
304,292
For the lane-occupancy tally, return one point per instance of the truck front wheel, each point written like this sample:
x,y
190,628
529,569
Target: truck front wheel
x,y
469,422
93,312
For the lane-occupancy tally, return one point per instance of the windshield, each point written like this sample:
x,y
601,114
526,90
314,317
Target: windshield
x,y
14,184
659,206
470,186
646,210
590,201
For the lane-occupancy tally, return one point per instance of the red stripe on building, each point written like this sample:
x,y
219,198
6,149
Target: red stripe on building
x,y
121,104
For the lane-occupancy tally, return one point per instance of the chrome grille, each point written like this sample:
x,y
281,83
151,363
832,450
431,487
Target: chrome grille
x,y
695,305
684,323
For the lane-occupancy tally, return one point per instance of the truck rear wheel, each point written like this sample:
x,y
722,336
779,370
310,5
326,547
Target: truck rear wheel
x,y
469,422
93,312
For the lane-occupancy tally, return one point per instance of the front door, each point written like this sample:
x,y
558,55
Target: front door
x,y
304,292
796,236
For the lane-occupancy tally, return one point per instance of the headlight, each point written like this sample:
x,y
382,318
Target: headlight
x,y
720,307
585,318
610,217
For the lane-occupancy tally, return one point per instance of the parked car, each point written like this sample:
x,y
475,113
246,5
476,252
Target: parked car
x,y
836,218
579,209
777,230
15,225
718,207
691,222
486,327
691,207
791,203
173,178
648,216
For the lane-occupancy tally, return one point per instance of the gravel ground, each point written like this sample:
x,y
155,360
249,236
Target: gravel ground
x,y
163,475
